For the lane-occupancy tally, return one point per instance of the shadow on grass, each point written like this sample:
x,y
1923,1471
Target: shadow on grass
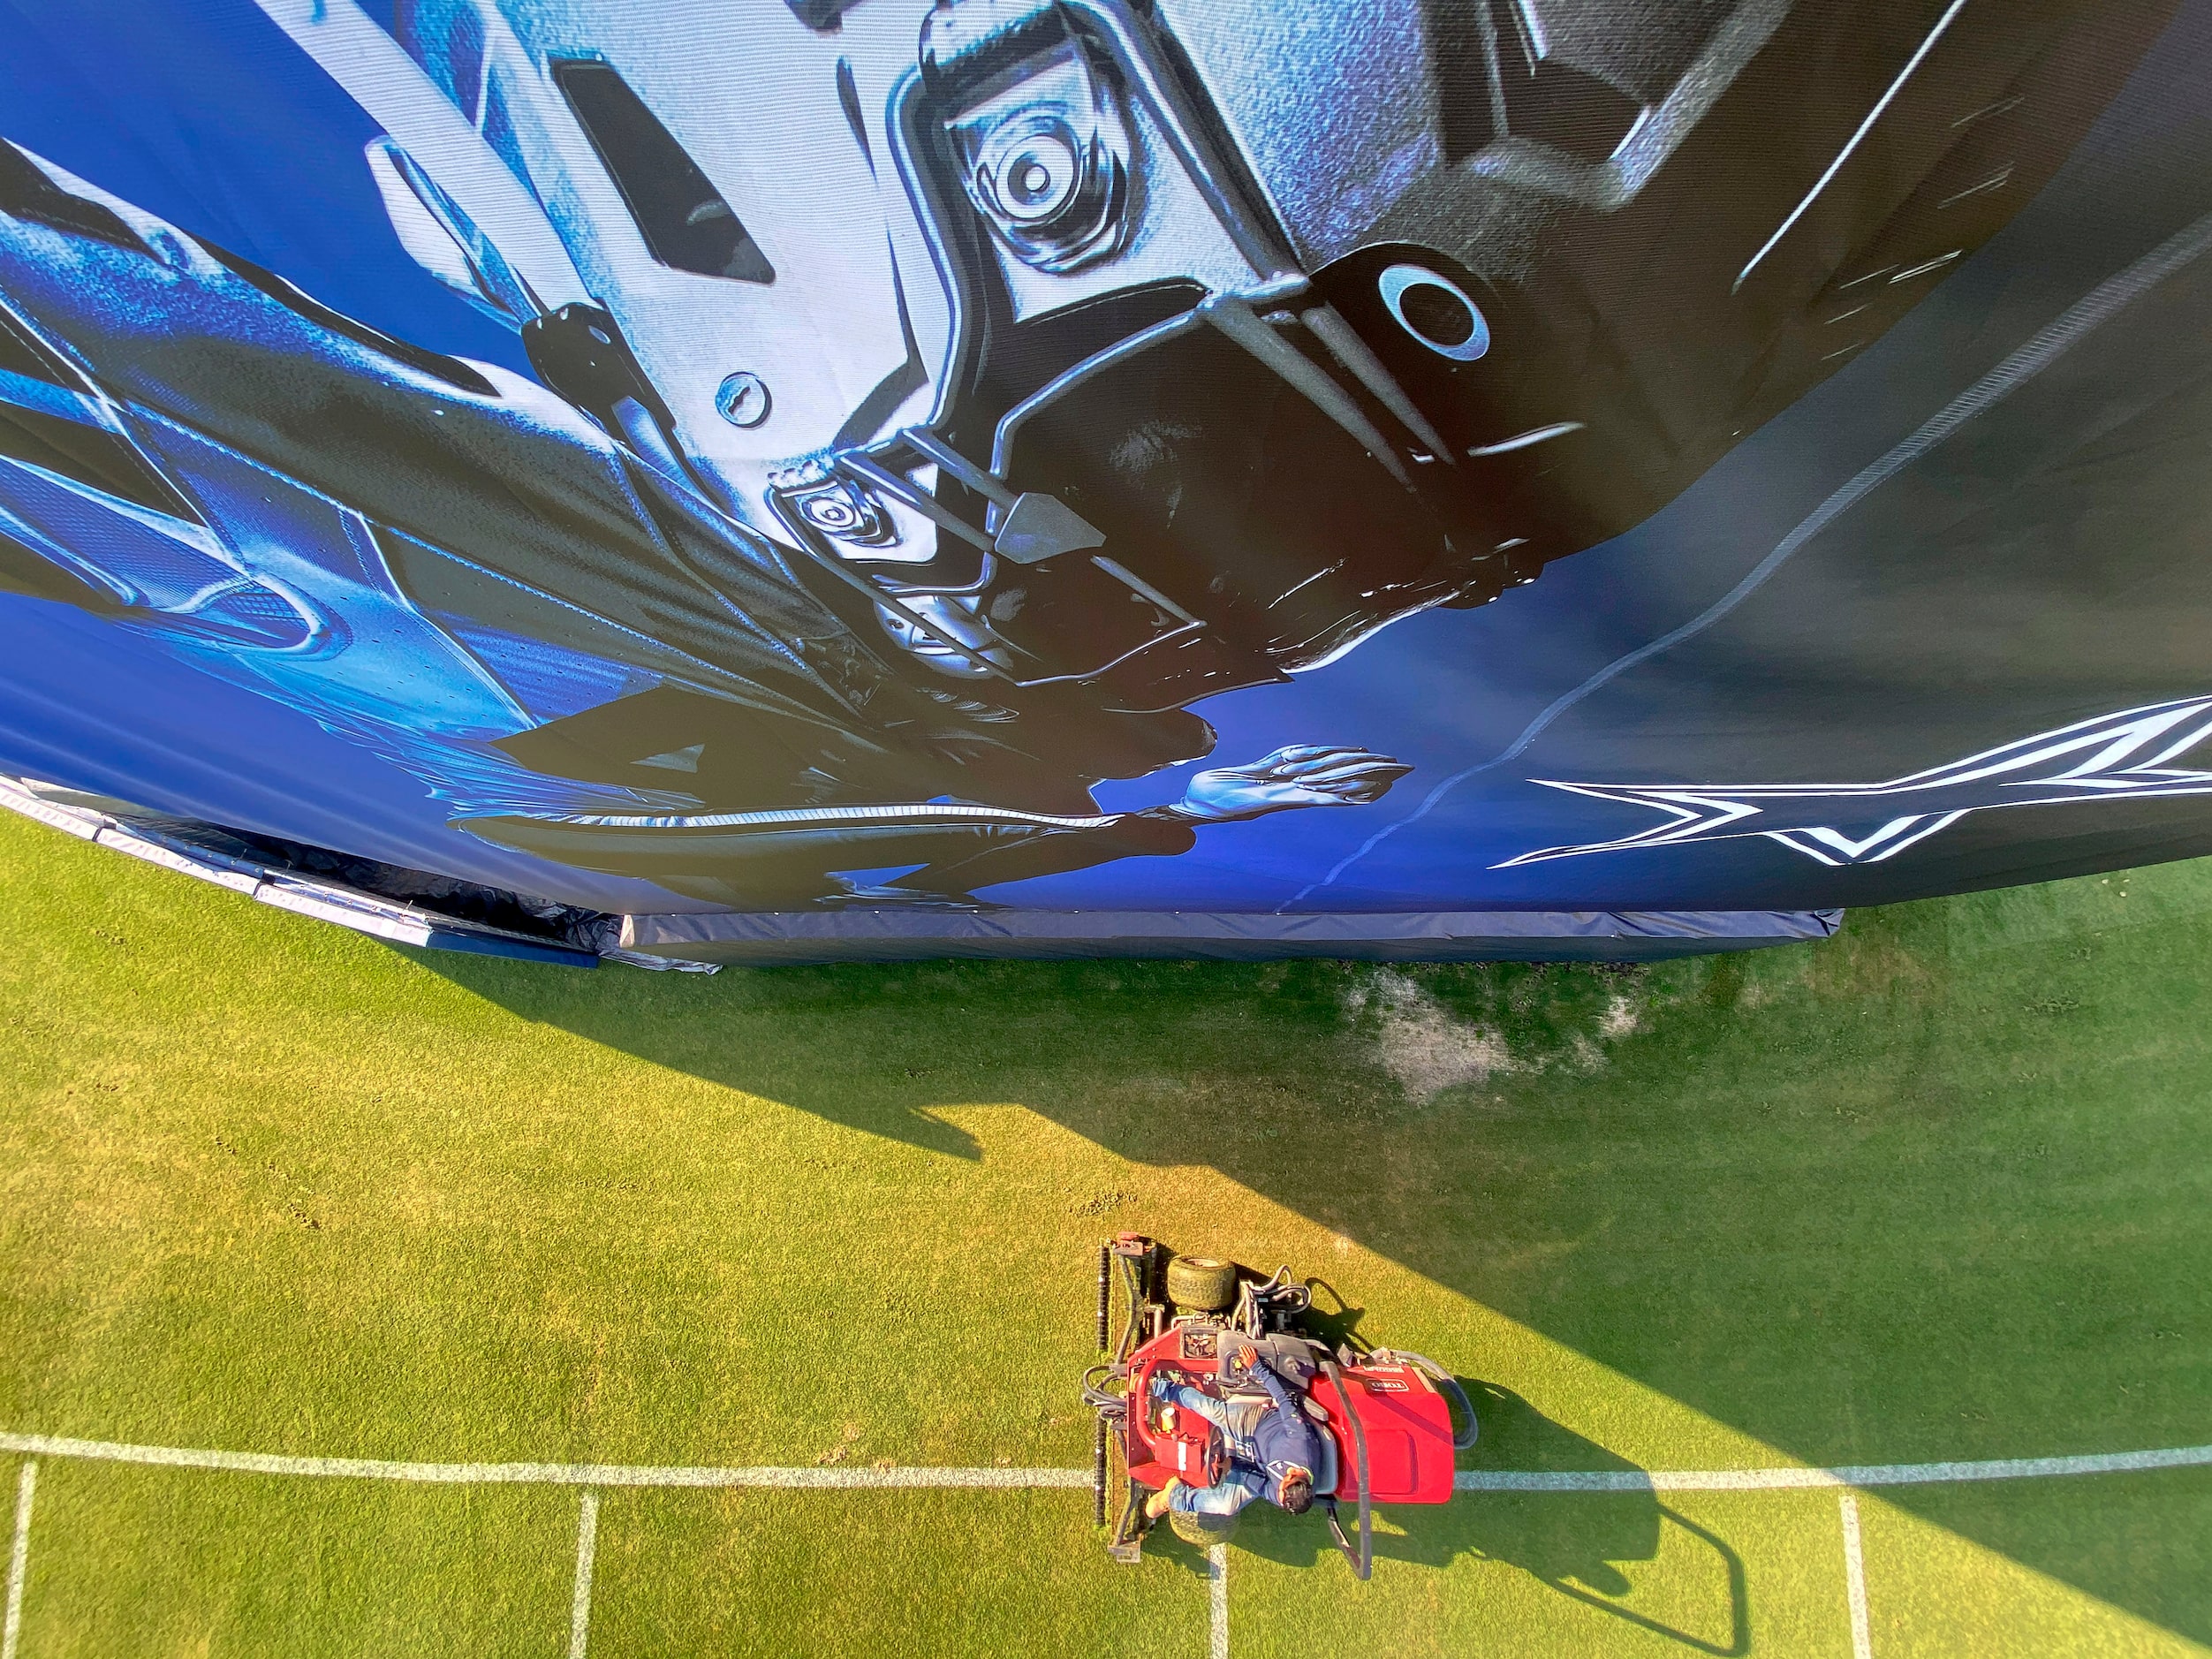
x,y
1333,1320
1935,1190
1576,1544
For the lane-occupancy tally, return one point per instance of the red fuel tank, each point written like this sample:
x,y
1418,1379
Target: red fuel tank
x,y
1408,1425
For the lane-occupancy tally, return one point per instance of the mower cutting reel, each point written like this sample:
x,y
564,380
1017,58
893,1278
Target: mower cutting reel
x,y
1384,1417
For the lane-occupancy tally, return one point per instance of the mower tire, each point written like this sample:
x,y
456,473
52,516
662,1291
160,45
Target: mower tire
x,y
1202,1284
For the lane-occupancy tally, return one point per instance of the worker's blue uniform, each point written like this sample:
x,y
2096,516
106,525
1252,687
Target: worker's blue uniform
x,y
1269,1441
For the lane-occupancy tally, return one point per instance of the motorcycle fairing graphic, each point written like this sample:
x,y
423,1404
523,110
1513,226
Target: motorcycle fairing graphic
x,y
2123,756
1178,421
450,564
906,465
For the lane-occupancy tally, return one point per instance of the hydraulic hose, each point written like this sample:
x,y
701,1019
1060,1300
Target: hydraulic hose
x,y
1363,1560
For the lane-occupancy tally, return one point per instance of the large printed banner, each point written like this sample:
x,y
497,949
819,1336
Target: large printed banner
x,y
1238,455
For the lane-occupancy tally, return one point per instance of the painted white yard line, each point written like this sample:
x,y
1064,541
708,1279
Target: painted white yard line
x,y
1853,1474
1855,1581
535,1473
916,1476
1218,1603
580,1601
19,1559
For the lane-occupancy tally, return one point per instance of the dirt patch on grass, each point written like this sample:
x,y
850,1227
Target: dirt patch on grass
x,y
1500,1022
1418,1041
1621,1019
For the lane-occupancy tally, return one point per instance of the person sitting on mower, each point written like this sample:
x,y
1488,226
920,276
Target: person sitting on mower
x,y
1272,1448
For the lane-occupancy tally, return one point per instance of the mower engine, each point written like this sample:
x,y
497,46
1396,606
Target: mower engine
x,y
1385,1418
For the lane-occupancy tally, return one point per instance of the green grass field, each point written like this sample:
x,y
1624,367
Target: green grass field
x,y
1936,1190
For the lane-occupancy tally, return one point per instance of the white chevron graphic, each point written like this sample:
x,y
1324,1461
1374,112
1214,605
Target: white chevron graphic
x,y
2121,756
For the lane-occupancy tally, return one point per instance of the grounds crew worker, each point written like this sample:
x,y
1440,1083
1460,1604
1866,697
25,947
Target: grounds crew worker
x,y
1272,1448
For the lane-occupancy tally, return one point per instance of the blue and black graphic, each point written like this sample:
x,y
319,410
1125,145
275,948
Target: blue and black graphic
x,y
726,453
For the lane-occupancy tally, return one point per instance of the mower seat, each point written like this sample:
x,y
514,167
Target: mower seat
x,y
1325,1476
1289,1358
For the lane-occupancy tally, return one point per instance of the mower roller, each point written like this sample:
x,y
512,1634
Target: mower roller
x,y
1384,1417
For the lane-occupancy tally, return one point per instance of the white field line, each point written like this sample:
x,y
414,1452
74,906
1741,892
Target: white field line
x,y
1852,1474
19,1559
535,1473
1855,1581
913,1476
1218,1603
580,1601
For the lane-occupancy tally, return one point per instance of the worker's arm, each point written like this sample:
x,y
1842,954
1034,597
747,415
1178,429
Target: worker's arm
x,y
1263,1373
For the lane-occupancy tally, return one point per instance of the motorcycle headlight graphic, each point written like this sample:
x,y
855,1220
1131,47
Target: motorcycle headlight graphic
x,y
1046,162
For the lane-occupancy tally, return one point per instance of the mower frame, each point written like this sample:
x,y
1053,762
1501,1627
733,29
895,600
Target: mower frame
x,y
1270,1310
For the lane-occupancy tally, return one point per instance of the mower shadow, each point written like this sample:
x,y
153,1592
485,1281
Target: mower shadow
x,y
1576,1543
1332,1325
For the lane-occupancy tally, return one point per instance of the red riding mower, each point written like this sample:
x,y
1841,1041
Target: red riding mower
x,y
1385,1418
